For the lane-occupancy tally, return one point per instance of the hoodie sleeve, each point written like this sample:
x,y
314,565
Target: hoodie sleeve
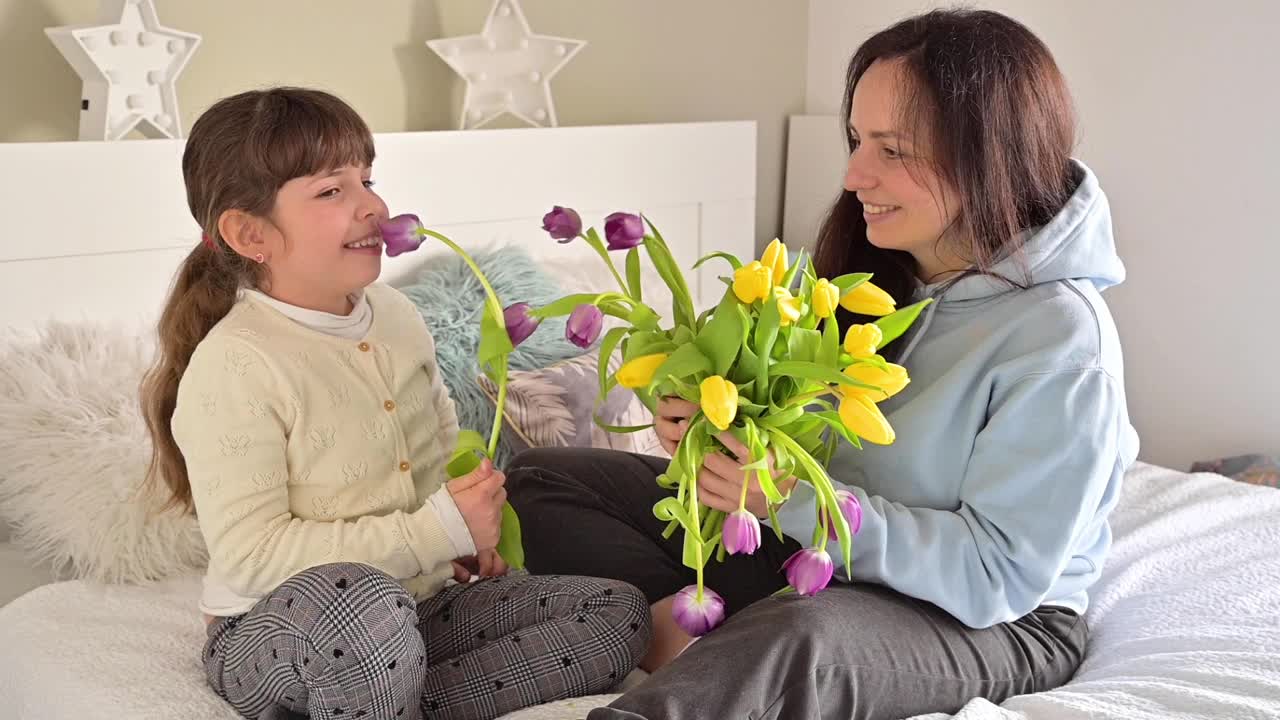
x,y
1038,473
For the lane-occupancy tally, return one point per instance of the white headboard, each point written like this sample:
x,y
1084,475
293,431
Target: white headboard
x,y
101,226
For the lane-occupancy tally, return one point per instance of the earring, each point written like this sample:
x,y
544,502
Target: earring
x,y
259,258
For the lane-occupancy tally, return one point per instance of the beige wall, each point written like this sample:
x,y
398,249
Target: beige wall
x,y
650,61
1178,105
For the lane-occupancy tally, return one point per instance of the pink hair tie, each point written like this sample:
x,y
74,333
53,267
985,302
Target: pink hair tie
x,y
208,241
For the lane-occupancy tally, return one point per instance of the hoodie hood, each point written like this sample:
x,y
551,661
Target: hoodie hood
x,y
1077,244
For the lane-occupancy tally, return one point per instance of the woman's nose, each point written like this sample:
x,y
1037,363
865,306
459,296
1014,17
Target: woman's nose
x,y
856,176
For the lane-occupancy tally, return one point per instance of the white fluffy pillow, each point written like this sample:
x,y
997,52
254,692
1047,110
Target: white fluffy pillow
x,y
73,456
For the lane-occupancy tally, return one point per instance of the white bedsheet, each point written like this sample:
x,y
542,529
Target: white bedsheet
x,y
1186,618
1186,624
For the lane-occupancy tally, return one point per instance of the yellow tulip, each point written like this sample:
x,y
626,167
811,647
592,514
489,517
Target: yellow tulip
x,y
752,281
825,298
638,372
719,401
861,415
774,257
891,380
788,306
863,340
868,299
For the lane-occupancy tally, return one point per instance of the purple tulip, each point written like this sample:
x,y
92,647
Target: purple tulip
x,y
399,234
563,223
697,618
741,533
623,231
809,570
519,325
584,325
852,511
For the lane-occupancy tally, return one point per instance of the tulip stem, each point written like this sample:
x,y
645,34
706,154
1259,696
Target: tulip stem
x,y
594,241
494,308
498,406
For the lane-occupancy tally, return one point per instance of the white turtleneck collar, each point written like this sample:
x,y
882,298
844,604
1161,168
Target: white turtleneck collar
x,y
352,327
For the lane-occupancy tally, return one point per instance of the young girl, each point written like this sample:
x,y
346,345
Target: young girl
x,y
985,523
298,409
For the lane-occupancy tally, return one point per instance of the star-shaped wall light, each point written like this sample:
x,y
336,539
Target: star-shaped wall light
x,y
507,68
128,63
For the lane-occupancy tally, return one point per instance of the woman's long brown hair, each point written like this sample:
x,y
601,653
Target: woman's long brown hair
x,y
239,153
990,102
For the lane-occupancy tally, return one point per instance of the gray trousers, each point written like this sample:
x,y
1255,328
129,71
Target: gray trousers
x,y
346,641
859,651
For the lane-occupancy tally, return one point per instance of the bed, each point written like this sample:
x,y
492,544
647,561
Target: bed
x,y
1183,619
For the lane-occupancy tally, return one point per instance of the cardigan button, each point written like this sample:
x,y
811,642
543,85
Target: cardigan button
x,y
389,405
404,466
364,347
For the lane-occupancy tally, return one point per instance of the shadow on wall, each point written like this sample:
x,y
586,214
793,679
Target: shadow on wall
x,y
421,70
36,106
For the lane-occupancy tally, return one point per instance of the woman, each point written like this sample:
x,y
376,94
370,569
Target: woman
x,y
985,523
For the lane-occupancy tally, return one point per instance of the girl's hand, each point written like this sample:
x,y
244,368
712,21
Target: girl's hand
x,y
479,496
464,568
720,480
492,564
672,421
487,564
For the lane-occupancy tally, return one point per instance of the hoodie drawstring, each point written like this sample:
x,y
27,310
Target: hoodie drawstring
x,y
919,334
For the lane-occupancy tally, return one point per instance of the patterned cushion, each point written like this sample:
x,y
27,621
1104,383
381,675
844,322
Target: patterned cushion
x,y
1253,469
552,407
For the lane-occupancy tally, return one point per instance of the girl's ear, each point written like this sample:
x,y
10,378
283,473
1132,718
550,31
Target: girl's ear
x,y
241,231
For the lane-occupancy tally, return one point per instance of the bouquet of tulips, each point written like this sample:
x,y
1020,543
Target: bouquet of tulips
x,y
768,364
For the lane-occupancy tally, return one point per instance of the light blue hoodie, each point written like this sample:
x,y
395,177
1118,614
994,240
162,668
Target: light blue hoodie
x,y
1012,437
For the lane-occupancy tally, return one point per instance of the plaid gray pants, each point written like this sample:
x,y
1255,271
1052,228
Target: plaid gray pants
x,y
347,641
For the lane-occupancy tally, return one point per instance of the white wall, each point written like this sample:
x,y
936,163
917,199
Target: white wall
x,y
1178,102
656,61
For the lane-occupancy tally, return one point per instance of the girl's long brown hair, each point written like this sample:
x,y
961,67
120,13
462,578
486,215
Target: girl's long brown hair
x,y
238,155
988,99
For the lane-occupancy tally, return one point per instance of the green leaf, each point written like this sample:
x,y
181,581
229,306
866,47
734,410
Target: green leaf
x,y
773,522
686,360
593,240
642,316
566,304
682,335
892,326
755,443
804,344
821,482
745,371
670,509
660,255
766,335
647,342
850,281
466,454
607,346
829,354
790,275
813,371
494,340
783,418
510,547
633,272
731,259
831,419
621,429
721,338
